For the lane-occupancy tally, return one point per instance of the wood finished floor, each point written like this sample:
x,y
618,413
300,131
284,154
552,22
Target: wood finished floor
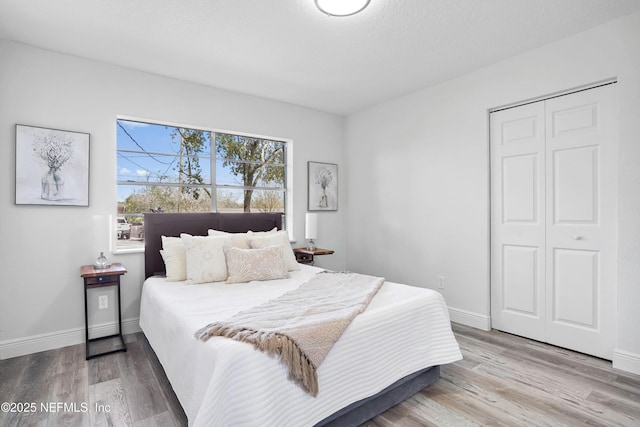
x,y
503,380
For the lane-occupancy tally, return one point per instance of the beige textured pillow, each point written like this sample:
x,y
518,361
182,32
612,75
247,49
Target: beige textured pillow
x,y
175,258
238,240
205,258
241,240
246,265
280,238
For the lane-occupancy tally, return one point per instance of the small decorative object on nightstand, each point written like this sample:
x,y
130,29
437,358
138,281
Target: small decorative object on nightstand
x,y
305,256
95,277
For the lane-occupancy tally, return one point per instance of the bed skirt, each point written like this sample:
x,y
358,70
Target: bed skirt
x,y
359,412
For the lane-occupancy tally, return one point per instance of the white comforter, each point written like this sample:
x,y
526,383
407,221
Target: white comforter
x,y
223,382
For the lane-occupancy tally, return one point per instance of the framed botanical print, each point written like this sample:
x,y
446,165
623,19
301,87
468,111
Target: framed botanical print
x,y
52,167
323,186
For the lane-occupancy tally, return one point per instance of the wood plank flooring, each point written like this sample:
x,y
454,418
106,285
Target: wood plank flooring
x,y
504,380
120,389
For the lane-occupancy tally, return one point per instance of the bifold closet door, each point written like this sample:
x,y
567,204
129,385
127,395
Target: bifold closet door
x,y
554,220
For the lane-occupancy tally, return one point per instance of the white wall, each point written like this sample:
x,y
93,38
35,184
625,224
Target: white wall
x,y
41,296
418,172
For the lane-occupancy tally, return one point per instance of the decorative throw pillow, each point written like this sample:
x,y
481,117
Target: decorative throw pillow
x,y
251,233
240,240
279,238
205,258
245,265
175,258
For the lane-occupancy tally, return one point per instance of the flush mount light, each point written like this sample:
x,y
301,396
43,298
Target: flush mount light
x,y
341,7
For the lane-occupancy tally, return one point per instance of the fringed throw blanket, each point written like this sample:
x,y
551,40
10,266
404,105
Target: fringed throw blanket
x,y
302,325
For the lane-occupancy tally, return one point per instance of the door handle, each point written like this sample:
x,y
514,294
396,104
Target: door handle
x,y
576,237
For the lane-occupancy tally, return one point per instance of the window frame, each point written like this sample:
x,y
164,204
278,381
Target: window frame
x,y
213,186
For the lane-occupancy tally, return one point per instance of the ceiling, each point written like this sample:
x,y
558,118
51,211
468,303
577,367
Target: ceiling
x,y
288,51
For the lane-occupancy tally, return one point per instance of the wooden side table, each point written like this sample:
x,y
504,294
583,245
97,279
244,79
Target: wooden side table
x,y
97,278
305,256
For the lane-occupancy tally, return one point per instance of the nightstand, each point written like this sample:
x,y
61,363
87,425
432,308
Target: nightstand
x,y
97,278
305,256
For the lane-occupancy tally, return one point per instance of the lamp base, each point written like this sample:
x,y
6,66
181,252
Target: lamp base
x,y
102,262
311,245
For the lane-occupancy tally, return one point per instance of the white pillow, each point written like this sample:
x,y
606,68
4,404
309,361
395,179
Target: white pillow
x,y
279,238
274,230
175,258
240,240
205,258
245,265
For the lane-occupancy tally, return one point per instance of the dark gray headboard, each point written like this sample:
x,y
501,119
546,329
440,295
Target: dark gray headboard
x,y
197,224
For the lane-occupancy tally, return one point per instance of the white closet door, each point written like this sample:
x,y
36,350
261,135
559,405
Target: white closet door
x,y
581,221
518,221
553,253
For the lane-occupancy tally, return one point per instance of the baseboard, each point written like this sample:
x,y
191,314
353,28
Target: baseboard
x,y
626,361
51,341
468,318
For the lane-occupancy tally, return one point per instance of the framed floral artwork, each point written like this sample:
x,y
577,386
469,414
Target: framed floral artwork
x,y
52,167
323,186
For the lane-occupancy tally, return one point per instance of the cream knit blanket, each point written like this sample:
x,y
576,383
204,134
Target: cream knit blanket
x,y
301,326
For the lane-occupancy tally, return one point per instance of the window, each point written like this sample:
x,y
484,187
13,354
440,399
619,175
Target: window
x,y
164,168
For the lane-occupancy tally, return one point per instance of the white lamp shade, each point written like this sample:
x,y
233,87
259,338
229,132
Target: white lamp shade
x,y
311,226
101,229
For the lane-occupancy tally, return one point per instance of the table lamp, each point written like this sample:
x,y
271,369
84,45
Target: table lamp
x,y
311,230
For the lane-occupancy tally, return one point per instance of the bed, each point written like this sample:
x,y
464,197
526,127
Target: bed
x,y
388,353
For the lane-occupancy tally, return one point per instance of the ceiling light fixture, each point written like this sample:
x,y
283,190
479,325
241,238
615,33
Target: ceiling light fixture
x,y
341,7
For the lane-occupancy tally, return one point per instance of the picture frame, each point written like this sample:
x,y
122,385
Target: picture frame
x,y
52,167
322,194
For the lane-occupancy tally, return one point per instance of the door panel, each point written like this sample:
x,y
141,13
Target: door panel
x,y
575,288
519,189
576,186
572,120
520,280
521,129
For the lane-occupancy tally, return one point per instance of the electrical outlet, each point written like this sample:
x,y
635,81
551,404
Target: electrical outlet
x,y
440,282
103,302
